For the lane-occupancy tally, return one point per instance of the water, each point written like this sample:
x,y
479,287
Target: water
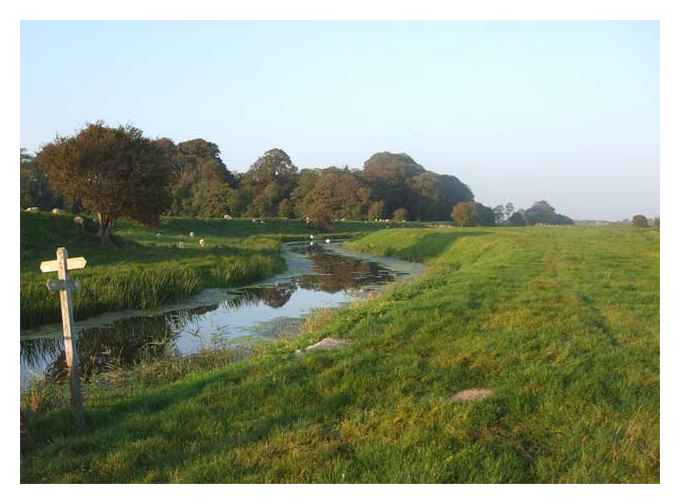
x,y
324,276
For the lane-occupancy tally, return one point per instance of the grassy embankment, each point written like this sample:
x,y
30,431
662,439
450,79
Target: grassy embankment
x,y
145,271
561,323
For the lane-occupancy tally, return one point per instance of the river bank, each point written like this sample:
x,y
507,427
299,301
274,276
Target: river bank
x,y
558,328
318,277
149,268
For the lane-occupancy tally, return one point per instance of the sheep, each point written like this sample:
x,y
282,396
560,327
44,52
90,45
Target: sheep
x,y
191,234
227,217
158,235
311,237
254,221
57,211
79,220
33,209
261,221
201,242
180,245
328,240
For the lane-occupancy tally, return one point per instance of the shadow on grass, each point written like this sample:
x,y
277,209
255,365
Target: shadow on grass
x,y
432,245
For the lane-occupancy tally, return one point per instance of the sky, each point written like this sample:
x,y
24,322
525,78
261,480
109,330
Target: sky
x,y
520,111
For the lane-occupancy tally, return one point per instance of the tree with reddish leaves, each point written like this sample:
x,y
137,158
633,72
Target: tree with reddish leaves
x,y
114,172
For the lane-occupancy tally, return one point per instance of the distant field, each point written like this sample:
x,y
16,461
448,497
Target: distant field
x,y
146,271
560,324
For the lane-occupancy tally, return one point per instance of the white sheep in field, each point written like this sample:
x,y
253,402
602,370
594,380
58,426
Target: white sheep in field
x,y
79,220
254,221
201,242
33,209
158,235
227,217
57,211
328,240
180,245
191,234
311,237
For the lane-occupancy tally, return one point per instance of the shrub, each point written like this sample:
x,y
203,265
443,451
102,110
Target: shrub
x,y
640,221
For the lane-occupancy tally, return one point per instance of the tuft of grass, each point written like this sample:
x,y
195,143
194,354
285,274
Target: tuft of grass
x,y
561,323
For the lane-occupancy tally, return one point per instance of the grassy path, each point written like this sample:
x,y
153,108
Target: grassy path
x,y
562,324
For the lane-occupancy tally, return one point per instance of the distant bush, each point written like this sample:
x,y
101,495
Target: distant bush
x,y
640,221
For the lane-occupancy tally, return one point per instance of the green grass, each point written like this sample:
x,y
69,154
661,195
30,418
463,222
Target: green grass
x,y
562,323
145,271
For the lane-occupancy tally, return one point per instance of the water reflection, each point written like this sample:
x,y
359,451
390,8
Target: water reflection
x,y
258,311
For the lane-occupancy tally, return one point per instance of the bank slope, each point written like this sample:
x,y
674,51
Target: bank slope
x,y
560,324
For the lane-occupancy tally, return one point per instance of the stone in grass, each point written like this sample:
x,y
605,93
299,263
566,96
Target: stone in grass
x,y
473,394
324,344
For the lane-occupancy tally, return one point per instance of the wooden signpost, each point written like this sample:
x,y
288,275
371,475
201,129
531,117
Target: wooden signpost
x,y
65,287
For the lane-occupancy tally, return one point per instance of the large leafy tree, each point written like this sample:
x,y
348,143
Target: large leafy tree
x,y
388,175
341,191
463,214
485,215
115,172
543,212
196,164
270,180
306,181
400,182
471,213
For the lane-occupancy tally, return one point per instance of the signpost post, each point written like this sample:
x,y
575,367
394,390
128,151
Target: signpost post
x,y
65,287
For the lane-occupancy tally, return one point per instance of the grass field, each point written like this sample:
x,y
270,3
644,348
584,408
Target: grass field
x,y
562,324
145,271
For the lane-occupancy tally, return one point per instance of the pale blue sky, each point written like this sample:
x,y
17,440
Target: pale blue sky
x,y
520,111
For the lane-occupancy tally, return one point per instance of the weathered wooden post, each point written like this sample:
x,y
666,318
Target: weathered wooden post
x,y
65,287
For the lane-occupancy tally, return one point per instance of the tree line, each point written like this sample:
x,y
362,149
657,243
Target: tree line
x,y
117,172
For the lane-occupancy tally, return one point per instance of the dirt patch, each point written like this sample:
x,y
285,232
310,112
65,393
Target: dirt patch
x,y
473,394
326,344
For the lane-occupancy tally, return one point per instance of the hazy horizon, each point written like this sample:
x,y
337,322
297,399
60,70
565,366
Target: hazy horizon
x,y
519,111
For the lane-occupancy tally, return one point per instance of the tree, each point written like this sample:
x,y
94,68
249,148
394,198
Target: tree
x,y
509,210
517,219
375,211
342,191
464,214
657,222
400,182
400,215
542,212
212,200
271,179
34,186
319,215
471,213
196,163
499,214
285,208
306,181
640,221
484,215
116,172
388,175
